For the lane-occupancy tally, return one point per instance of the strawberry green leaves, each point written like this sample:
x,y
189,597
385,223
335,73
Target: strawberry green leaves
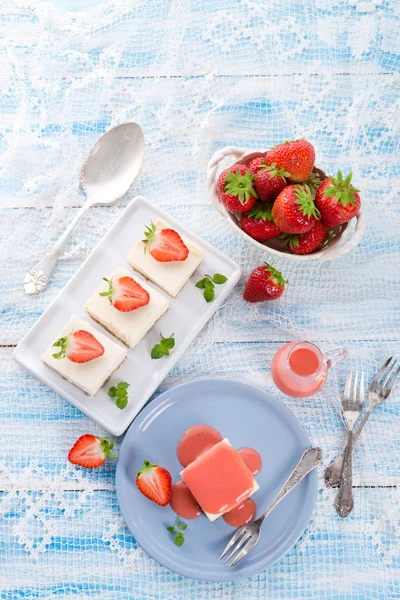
x,y
149,234
261,212
207,284
110,292
240,185
306,202
341,189
274,170
275,275
120,393
163,348
107,445
313,182
179,537
62,344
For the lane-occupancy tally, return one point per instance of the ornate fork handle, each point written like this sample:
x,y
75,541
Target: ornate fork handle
x,y
334,471
310,459
344,500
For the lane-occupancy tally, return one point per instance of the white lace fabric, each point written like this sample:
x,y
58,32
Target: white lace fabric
x,y
198,76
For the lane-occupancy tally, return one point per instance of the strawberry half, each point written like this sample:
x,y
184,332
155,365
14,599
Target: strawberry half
x,y
155,483
297,158
165,245
126,294
90,451
337,200
79,346
264,283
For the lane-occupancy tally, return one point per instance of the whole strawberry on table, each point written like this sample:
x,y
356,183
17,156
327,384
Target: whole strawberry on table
x,y
280,194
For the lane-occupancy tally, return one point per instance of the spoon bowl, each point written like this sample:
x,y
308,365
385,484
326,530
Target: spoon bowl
x,y
113,163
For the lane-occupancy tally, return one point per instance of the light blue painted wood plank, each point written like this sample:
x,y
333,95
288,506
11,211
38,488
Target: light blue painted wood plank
x,y
167,38
102,560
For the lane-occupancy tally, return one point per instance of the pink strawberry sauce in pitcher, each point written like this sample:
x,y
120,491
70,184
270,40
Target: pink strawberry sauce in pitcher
x,y
300,369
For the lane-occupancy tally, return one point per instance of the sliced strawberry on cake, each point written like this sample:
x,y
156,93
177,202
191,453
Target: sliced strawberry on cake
x,y
126,307
165,245
83,356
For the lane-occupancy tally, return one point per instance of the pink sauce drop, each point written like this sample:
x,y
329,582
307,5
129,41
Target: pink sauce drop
x,y
182,501
304,361
194,441
251,459
241,514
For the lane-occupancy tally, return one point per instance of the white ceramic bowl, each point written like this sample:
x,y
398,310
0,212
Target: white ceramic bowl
x,y
340,240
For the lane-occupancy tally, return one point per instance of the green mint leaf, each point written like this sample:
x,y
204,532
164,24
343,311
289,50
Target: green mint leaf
x,y
182,527
158,351
112,392
179,539
123,385
168,343
170,528
122,401
202,283
219,279
209,294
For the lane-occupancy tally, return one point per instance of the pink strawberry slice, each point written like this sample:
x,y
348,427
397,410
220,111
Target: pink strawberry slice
x,y
155,483
126,294
165,245
79,347
90,451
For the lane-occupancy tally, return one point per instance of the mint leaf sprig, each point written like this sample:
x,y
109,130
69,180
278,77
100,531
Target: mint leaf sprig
x,y
163,348
179,537
120,393
207,284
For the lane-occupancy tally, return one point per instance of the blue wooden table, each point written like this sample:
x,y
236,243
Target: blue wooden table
x,y
198,75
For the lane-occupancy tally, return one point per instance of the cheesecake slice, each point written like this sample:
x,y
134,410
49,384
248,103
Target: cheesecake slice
x,y
169,276
128,309
219,480
83,355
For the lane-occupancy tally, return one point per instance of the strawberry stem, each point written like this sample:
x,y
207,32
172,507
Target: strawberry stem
x,y
240,185
306,202
342,189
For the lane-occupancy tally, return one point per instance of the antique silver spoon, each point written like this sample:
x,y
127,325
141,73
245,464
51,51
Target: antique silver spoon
x,y
111,167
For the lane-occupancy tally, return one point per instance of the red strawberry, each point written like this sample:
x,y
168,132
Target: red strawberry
x,y
155,483
259,224
255,163
307,242
337,200
165,245
294,210
235,188
126,294
264,283
296,157
79,346
270,181
90,451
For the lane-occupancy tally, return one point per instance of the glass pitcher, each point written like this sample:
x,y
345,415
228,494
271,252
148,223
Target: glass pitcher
x,y
300,369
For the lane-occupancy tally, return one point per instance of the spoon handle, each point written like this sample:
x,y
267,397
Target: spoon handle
x,y
38,277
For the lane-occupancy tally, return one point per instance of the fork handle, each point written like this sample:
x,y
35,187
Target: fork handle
x,y
310,459
334,471
344,500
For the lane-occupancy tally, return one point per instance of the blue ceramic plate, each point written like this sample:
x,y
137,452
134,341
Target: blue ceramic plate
x,y
247,416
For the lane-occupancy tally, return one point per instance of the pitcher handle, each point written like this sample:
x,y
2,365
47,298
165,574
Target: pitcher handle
x,y
335,356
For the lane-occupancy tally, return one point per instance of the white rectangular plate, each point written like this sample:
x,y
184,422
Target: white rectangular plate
x,y
186,316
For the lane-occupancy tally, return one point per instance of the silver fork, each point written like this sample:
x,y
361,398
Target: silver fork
x,y
379,391
248,535
352,404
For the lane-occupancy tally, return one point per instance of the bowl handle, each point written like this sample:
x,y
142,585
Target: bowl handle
x,y
354,239
212,168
